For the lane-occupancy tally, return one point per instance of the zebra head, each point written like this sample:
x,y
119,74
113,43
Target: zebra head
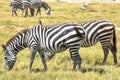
x,y
46,7
9,58
48,11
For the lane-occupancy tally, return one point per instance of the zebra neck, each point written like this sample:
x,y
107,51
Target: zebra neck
x,y
17,46
15,49
45,6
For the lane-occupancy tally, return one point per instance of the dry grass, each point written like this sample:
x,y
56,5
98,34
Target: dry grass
x,y
60,66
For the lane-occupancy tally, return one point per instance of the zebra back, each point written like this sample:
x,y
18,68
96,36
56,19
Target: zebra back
x,y
96,30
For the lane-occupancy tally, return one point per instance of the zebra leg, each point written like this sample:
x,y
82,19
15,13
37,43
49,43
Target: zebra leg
x,y
41,53
112,49
105,50
14,11
38,11
26,12
76,59
32,57
32,11
22,12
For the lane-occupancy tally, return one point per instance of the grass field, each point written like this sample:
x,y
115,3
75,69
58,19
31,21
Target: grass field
x,y
60,66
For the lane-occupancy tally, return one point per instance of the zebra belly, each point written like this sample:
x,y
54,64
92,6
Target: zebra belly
x,y
88,44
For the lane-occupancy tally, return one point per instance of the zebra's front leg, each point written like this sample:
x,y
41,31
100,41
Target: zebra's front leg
x,y
38,11
42,55
32,57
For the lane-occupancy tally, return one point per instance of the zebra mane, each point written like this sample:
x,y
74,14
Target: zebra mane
x,y
24,31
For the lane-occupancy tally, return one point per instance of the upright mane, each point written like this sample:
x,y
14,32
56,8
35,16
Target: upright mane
x,y
24,31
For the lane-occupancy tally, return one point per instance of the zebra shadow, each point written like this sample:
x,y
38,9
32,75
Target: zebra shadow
x,y
37,70
93,69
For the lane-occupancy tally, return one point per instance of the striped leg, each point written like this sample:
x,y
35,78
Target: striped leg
x,y
14,11
32,57
26,12
112,49
38,11
105,50
104,44
41,53
76,58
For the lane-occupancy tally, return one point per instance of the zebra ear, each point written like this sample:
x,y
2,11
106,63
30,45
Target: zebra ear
x,y
4,47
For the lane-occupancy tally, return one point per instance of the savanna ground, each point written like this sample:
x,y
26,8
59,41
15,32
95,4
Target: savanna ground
x,y
60,66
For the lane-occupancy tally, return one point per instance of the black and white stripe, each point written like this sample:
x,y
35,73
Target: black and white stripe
x,y
32,4
54,39
102,31
16,4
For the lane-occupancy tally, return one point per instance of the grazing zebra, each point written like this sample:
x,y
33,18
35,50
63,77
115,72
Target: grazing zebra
x,y
53,39
102,31
16,4
35,4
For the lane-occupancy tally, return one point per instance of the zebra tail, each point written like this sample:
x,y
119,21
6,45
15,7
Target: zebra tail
x,y
114,40
78,33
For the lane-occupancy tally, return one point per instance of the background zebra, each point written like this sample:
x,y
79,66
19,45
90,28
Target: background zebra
x,y
16,4
25,4
54,39
102,31
35,4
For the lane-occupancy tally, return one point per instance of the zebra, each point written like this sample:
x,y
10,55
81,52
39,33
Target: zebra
x,y
41,38
16,4
35,4
99,30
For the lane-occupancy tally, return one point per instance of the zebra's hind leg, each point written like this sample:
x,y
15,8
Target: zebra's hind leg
x,y
112,49
76,59
26,12
42,55
15,13
32,11
105,50
32,57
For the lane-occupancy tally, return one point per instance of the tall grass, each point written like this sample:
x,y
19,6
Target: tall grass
x,y
60,66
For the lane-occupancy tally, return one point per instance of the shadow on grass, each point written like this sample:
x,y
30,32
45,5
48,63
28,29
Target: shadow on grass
x,y
90,69
37,70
